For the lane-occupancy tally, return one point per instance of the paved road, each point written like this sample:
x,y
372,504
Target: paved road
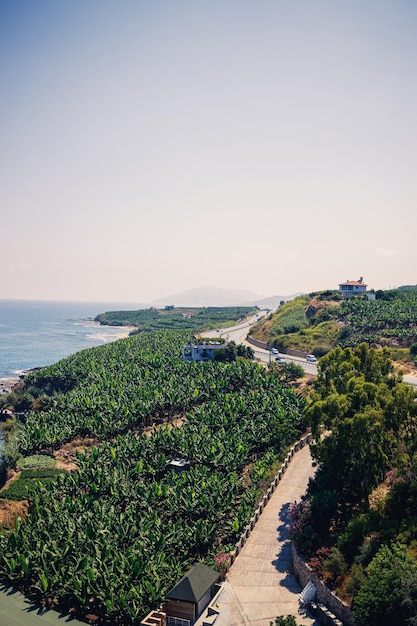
x,y
410,380
238,335
260,584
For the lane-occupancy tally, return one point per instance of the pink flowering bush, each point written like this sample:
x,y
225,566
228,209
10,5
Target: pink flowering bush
x,y
317,561
300,516
222,561
302,532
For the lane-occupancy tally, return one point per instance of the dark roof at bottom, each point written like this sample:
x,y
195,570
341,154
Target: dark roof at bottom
x,y
16,610
194,585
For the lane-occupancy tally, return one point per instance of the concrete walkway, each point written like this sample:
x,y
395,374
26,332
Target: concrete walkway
x,y
260,585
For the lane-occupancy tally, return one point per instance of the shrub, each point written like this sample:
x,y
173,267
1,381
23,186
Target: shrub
x,y
319,351
24,487
384,596
356,579
24,402
284,621
11,445
353,536
222,561
368,550
316,563
19,490
8,400
334,567
323,508
40,474
3,473
35,461
302,532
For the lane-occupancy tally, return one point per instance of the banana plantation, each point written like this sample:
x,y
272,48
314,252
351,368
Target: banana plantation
x,y
389,320
110,538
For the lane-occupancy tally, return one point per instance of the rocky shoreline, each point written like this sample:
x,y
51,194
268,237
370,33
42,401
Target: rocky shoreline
x,y
7,384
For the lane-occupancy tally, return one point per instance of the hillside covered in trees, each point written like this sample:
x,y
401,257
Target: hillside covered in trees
x,y
357,524
319,322
176,318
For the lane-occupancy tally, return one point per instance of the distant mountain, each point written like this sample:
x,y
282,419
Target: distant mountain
x,y
273,302
208,296
215,296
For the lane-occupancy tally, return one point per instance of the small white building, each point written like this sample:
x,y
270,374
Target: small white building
x,y
201,351
352,288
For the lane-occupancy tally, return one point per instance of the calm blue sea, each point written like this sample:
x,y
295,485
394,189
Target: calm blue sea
x,y
39,333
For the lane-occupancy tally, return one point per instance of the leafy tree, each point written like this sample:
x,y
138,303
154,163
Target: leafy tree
x,y
339,366
231,351
389,593
24,402
286,372
400,416
362,405
335,565
356,579
359,445
284,621
228,354
368,549
3,472
245,351
8,401
356,533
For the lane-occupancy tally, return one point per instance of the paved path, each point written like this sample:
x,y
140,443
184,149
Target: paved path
x,y
260,584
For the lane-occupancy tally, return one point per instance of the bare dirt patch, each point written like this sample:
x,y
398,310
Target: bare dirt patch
x,y
9,511
66,456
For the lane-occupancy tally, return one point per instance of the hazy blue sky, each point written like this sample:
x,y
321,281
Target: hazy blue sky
x,y
148,147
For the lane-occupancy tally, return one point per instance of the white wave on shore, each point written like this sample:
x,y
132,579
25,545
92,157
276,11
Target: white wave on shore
x,y
6,384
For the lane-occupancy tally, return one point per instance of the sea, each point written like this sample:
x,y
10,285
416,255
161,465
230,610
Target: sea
x,y
39,333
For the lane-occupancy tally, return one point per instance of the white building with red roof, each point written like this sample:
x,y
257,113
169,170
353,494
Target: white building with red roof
x,y
352,288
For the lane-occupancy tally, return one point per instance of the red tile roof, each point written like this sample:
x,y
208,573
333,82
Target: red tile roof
x,y
358,283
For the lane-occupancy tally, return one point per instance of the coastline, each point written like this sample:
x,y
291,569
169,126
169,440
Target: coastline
x,y
7,383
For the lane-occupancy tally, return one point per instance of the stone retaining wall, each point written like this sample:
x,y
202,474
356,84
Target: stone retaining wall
x,y
265,346
257,342
323,594
261,505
